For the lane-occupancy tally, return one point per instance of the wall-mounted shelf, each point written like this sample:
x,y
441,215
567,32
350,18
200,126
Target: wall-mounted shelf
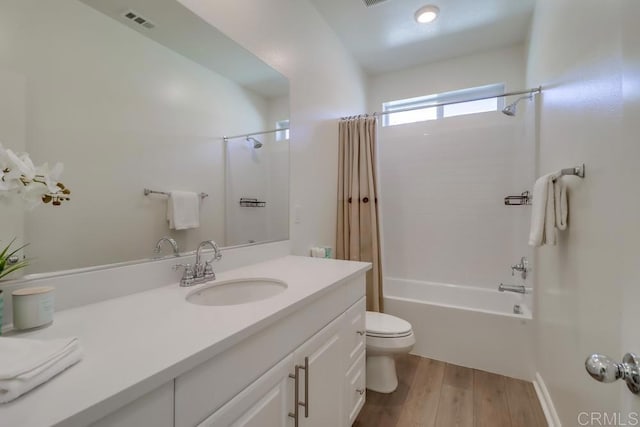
x,y
247,202
523,199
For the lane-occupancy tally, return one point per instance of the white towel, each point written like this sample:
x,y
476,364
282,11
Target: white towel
x,y
183,210
560,204
25,363
543,212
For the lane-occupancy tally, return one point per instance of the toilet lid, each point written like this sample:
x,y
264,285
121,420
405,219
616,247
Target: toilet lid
x,y
386,325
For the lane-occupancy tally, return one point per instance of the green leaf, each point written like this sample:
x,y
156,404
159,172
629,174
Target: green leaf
x,y
7,248
5,268
14,267
21,247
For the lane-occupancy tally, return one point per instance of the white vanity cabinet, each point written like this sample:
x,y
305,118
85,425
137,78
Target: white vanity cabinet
x,y
320,381
270,400
253,385
265,403
155,409
355,372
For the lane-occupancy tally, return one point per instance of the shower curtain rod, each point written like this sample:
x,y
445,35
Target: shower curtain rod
x,y
442,104
245,135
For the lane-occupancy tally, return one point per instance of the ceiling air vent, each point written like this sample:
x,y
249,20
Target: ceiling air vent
x,y
139,20
370,3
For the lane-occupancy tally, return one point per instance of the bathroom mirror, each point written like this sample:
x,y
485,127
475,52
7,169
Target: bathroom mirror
x,y
131,95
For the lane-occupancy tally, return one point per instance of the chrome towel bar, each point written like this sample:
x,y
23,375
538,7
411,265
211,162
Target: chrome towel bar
x,y
165,193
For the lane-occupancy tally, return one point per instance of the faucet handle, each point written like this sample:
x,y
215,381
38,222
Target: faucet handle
x,y
209,274
188,277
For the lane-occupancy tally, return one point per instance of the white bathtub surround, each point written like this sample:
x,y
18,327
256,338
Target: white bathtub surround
x,y
465,325
165,336
25,363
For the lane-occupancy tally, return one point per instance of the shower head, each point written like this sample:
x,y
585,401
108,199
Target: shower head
x,y
510,110
256,144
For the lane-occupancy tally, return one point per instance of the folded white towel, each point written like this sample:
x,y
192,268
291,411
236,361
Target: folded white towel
x,y
183,210
543,212
25,363
560,204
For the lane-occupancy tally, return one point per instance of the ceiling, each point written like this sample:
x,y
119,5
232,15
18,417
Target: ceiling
x,y
179,29
385,37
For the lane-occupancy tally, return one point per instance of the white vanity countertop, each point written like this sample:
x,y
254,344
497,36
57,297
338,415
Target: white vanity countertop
x,y
136,343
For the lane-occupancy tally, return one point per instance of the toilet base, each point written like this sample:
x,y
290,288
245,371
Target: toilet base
x,y
381,374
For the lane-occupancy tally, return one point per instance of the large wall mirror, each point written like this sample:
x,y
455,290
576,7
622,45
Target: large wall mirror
x,y
131,95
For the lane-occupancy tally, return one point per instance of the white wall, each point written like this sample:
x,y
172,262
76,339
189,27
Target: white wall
x,y
443,182
587,62
122,112
325,83
13,130
494,66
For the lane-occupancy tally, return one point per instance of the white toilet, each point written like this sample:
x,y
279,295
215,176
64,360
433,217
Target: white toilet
x,y
387,336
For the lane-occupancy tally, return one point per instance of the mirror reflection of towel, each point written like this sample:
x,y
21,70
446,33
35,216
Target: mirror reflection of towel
x,y
183,210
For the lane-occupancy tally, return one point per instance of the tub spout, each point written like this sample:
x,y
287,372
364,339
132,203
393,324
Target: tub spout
x,y
512,288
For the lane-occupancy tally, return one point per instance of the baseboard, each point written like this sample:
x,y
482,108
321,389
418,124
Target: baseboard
x,y
545,401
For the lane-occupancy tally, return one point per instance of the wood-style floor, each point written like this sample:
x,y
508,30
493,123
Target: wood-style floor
x,y
436,394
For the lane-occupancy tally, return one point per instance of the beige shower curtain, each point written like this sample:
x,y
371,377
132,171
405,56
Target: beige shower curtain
x,y
358,233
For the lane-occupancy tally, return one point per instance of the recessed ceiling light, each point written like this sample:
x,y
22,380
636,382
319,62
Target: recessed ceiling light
x,y
427,14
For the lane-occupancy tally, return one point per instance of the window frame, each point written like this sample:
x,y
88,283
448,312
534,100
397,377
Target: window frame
x,y
282,132
430,101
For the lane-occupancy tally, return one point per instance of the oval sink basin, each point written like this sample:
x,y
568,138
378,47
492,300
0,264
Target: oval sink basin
x,y
234,292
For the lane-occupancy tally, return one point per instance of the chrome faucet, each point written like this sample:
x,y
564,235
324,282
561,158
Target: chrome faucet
x,y
169,240
206,271
519,289
200,273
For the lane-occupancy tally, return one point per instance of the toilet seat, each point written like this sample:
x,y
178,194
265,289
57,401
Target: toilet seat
x,y
381,325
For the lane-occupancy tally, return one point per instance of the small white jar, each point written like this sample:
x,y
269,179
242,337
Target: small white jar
x,y
32,307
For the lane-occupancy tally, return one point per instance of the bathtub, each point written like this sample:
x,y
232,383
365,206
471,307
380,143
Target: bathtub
x,y
465,325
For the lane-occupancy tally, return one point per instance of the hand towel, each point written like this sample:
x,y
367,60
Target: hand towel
x,y
560,204
183,210
26,363
543,212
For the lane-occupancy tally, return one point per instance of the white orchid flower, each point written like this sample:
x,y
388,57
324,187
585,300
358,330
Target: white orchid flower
x,y
32,194
51,177
21,164
18,175
9,180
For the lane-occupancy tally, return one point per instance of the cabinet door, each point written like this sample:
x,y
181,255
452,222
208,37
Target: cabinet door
x,y
265,403
326,353
355,389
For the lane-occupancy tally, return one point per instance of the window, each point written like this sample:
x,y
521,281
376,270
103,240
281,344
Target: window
x,y
410,111
282,135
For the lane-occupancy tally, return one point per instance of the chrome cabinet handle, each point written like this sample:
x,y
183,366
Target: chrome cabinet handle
x,y
306,387
360,391
296,396
296,393
361,332
602,368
